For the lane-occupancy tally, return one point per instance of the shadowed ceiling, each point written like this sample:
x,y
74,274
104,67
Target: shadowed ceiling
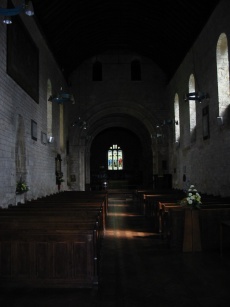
x,y
161,30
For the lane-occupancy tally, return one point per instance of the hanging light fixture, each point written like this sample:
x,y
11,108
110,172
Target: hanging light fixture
x,y
29,8
197,96
24,6
7,20
61,97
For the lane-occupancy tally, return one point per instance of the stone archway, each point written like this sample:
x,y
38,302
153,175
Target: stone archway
x,y
81,141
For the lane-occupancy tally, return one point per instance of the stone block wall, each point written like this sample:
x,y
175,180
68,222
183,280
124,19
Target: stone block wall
x,y
20,155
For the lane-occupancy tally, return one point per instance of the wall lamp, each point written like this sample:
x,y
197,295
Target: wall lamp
x,y
197,96
25,6
50,139
61,97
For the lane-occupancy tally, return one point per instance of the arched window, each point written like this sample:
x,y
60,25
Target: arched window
x,y
135,70
192,108
49,110
115,158
222,73
97,71
176,118
192,104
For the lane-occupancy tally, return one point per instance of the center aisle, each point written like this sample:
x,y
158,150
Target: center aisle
x,y
128,273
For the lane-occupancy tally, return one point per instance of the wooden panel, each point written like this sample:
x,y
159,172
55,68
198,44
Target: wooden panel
x,y
42,264
62,259
5,258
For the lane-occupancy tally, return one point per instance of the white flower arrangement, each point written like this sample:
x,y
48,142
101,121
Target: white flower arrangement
x,y
193,198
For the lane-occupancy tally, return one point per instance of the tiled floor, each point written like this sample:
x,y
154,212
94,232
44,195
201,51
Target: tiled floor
x,y
138,270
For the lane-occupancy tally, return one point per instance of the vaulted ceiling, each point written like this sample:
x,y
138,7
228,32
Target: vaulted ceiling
x,y
161,30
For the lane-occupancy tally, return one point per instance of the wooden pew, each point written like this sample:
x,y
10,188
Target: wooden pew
x,y
162,216
210,221
50,258
50,245
154,207
77,195
47,206
67,198
150,201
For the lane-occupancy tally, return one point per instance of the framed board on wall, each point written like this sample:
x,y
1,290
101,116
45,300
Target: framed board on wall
x,y
23,58
34,130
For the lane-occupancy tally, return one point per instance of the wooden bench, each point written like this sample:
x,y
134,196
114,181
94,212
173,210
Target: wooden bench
x,y
151,201
84,195
209,219
46,244
51,258
162,217
64,206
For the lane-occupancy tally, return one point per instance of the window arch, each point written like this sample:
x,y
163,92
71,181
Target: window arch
x,y
135,70
192,105
222,72
49,110
97,71
176,118
115,158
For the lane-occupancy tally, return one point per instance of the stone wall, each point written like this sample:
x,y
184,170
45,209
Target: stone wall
x,y
204,161
20,155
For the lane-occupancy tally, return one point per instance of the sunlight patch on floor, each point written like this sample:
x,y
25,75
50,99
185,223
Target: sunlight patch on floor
x,y
127,234
122,214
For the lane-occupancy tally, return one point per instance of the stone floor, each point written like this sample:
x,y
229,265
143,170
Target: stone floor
x,y
138,269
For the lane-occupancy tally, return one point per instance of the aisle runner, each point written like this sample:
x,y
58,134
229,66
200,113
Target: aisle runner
x,y
127,240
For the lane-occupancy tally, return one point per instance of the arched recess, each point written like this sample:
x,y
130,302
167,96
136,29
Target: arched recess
x,y
49,110
222,73
20,150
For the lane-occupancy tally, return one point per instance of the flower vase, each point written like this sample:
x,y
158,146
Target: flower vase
x,y
192,240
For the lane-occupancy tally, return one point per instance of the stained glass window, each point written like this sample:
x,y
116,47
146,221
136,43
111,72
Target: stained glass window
x,y
115,158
